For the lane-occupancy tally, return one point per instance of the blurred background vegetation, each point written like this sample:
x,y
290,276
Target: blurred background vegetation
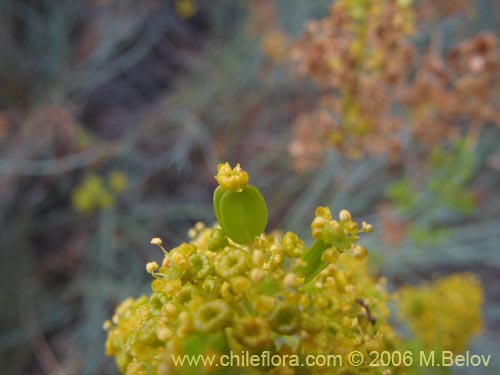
x,y
115,113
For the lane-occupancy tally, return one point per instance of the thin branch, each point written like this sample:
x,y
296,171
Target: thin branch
x,y
56,166
37,341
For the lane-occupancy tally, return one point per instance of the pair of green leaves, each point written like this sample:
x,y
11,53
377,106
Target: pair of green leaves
x,y
242,215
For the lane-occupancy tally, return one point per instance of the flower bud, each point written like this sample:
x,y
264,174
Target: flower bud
x,y
345,216
151,267
156,241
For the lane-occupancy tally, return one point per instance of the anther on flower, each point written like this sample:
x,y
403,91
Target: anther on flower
x,y
285,318
213,316
235,179
156,241
151,267
345,216
253,332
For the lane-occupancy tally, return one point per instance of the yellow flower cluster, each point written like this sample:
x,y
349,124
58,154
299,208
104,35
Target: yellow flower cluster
x,y
233,179
444,315
272,294
216,296
94,193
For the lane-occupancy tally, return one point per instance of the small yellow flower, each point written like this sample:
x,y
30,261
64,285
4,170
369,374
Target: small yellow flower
x,y
234,179
151,267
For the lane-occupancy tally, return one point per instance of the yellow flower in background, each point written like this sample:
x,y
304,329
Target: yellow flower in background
x,y
95,193
445,314
118,181
185,8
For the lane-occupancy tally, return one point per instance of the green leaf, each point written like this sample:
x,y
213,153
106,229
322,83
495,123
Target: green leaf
x,y
218,193
243,215
201,343
313,259
269,286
